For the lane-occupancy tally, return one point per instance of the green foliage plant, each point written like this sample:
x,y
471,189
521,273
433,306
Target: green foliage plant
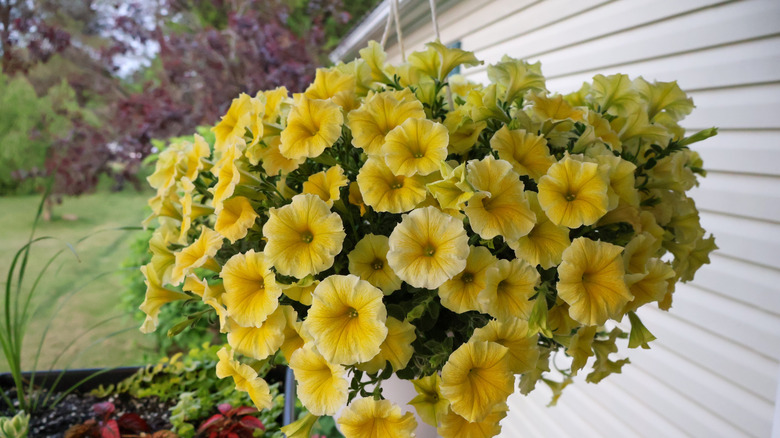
x,y
16,426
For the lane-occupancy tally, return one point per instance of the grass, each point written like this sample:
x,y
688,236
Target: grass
x,y
98,297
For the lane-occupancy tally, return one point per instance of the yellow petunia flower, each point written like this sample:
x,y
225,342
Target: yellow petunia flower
x,y
514,77
476,378
163,259
338,86
301,290
380,114
385,191
460,294
649,286
515,335
369,262
277,105
545,244
355,197
322,386
199,254
463,131
428,248
449,59
455,426
230,173
499,207
271,158
526,152
614,94
369,418
259,342
509,286
431,406
312,126
292,333
230,130
591,281
453,190
156,295
416,147
327,184
375,57
397,347
236,218
347,319
245,378
251,289
544,107
573,193
304,237
210,294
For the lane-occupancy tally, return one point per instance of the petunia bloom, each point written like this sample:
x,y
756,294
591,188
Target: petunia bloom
x,y
545,243
525,151
304,237
509,285
156,295
259,342
369,418
461,293
515,335
428,248
430,404
499,207
347,319
199,254
327,184
476,378
416,147
251,289
591,281
312,126
231,128
396,348
236,218
573,193
369,262
380,114
455,426
245,378
322,386
385,191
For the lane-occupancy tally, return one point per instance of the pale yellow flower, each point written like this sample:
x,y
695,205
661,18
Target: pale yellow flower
x,y
515,335
271,158
431,406
199,254
301,290
251,289
236,218
375,57
455,426
460,294
428,248
453,190
259,342
573,193
245,378
380,114
509,285
230,130
525,151
292,333
347,319
463,131
545,243
327,184
649,286
333,84
397,347
385,191
544,107
156,295
476,378
322,386
416,147
369,418
369,262
312,126
514,77
499,207
210,294
591,281
304,237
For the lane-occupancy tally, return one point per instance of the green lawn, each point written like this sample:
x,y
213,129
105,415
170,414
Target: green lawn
x,y
71,315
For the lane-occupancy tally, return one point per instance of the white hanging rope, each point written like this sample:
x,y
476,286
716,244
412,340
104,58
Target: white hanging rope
x,y
394,4
435,21
386,33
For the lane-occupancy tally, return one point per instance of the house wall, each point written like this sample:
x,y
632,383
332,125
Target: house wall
x,y
714,369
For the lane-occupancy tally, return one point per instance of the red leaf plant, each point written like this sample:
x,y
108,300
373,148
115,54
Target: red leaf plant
x,y
231,423
105,426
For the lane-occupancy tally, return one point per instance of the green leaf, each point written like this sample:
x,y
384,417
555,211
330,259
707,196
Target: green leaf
x,y
640,335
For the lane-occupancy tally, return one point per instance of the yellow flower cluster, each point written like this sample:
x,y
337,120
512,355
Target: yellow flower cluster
x,y
395,219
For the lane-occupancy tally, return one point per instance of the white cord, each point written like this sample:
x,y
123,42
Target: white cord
x,y
394,4
386,33
435,21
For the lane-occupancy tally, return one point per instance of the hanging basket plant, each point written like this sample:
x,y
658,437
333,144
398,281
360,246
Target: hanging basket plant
x,y
393,219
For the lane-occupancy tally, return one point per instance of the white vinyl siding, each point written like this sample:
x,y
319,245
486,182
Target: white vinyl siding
x,y
713,372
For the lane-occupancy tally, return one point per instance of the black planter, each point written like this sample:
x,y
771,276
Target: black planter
x,y
69,378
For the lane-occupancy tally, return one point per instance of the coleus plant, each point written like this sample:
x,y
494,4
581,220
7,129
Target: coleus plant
x,y
231,422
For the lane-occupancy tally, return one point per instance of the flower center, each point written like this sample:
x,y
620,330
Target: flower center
x,y
418,155
570,197
377,265
468,277
398,184
430,250
352,312
307,236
